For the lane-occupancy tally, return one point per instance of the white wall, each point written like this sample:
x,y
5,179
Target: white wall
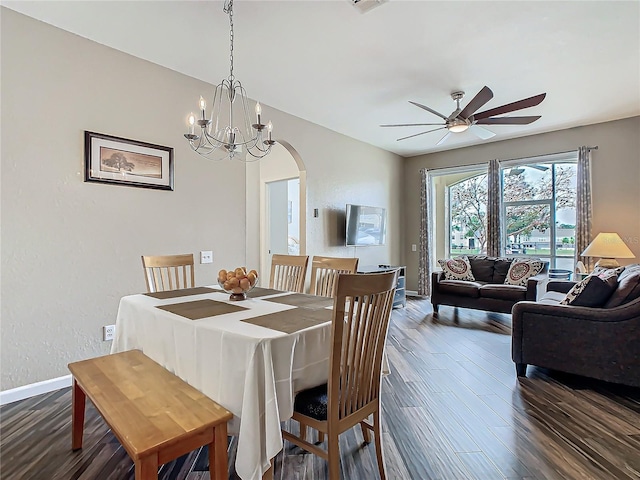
x,y
615,177
71,250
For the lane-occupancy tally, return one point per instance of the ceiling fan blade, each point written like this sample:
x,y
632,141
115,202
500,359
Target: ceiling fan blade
x,y
481,132
412,124
482,97
508,120
443,139
512,107
444,117
421,133
539,167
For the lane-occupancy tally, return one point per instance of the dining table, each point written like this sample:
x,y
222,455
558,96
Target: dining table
x,y
250,356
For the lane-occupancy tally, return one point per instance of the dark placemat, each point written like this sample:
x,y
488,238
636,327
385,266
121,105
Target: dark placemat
x,y
262,292
200,309
302,300
293,320
185,292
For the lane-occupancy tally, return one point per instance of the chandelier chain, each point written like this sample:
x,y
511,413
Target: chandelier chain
x,y
228,8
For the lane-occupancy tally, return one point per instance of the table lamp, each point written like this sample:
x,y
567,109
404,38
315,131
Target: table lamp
x,y
608,246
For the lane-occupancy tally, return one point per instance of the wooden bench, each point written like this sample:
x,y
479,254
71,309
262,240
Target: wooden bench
x,y
155,415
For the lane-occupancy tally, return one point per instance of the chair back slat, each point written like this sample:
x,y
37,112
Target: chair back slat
x,y
362,310
325,272
168,272
288,272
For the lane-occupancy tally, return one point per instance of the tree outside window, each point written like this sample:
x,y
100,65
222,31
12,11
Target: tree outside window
x,y
468,215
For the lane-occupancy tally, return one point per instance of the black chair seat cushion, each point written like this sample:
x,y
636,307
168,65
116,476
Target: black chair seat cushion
x,y
312,402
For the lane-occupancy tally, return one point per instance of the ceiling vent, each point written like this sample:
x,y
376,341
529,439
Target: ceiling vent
x,y
365,5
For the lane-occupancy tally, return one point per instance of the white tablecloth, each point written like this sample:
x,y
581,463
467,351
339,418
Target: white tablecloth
x,y
252,371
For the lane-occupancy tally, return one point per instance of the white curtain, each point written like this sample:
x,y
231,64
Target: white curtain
x,y
426,234
583,206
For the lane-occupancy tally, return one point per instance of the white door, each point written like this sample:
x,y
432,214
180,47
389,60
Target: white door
x,y
283,217
277,208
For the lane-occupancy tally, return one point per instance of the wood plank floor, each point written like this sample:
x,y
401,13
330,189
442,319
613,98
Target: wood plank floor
x,y
452,409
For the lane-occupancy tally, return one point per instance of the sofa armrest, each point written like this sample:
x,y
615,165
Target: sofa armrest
x,y
561,286
532,286
522,309
436,277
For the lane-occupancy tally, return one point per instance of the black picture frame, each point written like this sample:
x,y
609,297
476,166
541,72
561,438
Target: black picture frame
x,y
122,161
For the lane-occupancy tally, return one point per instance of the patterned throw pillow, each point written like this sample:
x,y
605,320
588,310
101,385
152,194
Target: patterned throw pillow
x,y
457,268
592,291
521,270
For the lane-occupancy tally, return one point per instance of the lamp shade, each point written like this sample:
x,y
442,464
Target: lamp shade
x,y
608,246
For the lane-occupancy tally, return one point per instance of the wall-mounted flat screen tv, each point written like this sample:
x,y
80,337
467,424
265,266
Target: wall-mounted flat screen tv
x,y
366,225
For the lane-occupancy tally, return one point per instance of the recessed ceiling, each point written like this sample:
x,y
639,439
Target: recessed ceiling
x,y
330,64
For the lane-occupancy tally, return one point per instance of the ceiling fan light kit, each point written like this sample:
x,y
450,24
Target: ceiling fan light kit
x,y
457,125
467,119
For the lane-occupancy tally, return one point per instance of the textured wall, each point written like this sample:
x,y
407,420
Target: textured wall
x,y
615,177
71,250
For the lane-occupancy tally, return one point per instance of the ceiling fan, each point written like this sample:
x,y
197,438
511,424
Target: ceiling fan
x,y
462,119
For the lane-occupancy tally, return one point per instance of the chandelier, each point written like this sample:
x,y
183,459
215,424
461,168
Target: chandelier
x,y
229,132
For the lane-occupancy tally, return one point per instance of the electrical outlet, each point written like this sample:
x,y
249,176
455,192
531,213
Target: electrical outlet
x,y
206,256
108,331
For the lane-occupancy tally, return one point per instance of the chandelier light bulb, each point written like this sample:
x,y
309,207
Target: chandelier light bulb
x,y
191,122
258,108
203,105
269,128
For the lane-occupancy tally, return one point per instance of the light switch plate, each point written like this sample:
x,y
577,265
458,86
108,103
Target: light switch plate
x,y
206,256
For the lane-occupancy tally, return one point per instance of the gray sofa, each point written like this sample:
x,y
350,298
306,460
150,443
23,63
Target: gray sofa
x,y
488,291
598,342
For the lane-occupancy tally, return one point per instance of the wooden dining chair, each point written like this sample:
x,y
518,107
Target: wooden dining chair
x,y
325,271
168,272
288,272
352,394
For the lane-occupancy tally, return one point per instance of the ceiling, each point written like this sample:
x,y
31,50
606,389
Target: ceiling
x,y
328,63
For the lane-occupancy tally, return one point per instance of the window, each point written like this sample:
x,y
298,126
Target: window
x,y
467,215
539,214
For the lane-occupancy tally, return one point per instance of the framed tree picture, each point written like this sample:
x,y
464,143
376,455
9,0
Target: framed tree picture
x,y
121,161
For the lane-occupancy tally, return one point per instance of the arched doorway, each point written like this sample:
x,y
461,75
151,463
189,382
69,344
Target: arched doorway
x,y
268,180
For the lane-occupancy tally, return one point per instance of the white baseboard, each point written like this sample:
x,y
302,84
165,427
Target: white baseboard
x,y
27,391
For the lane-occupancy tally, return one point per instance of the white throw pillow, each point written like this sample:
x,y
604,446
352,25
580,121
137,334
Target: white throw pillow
x,y
457,268
521,270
